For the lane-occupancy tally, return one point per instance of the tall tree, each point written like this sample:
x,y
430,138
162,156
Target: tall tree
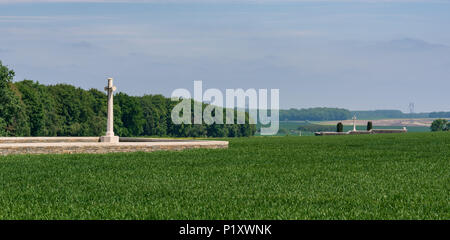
x,y
34,107
369,125
132,115
12,110
339,127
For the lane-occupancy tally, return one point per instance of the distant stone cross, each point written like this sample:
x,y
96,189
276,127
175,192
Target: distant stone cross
x,y
110,138
354,123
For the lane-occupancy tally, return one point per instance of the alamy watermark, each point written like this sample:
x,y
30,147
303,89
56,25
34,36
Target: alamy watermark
x,y
235,99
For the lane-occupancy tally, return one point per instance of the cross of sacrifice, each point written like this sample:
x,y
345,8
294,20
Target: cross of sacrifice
x,y
109,137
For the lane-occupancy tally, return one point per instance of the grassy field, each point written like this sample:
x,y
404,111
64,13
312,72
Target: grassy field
x,y
404,176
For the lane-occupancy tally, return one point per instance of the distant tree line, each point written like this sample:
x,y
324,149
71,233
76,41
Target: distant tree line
x,y
316,128
28,108
383,114
439,115
315,114
336,114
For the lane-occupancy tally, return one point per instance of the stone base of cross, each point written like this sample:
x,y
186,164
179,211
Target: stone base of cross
x,y
112,139
109,137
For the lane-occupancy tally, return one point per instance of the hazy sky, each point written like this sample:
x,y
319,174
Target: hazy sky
x,y
349,54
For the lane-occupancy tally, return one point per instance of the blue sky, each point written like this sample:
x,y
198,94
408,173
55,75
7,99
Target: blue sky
x,y
350,54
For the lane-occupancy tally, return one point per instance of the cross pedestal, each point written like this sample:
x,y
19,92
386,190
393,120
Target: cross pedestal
x,y
109,137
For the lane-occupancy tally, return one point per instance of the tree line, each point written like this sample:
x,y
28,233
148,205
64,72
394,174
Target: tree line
x,y
383,114
28,108
315,114
333,114
439,115
315,128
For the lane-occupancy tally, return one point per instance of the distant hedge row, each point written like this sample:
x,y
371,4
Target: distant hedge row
x,y
315,114
439,115
28,108
333,114
316,128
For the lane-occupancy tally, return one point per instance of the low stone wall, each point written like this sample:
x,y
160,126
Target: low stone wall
x,y
47,139
389,131
359,132
330,133
86,147
144,139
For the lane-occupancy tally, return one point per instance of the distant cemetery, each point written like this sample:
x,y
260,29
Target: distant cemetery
x,y
354,131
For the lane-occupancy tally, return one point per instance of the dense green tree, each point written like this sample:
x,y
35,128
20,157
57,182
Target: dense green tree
x,y
217,130
369,125
2,127
233,130
155,113
100,109
340,127
132,114
75,107
12,110
32,99
439,125
247,129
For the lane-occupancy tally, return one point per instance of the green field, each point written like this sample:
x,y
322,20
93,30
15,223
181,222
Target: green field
x,y
398,176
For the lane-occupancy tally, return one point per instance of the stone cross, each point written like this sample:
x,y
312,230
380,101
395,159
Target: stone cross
x,y
354,123
110,138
